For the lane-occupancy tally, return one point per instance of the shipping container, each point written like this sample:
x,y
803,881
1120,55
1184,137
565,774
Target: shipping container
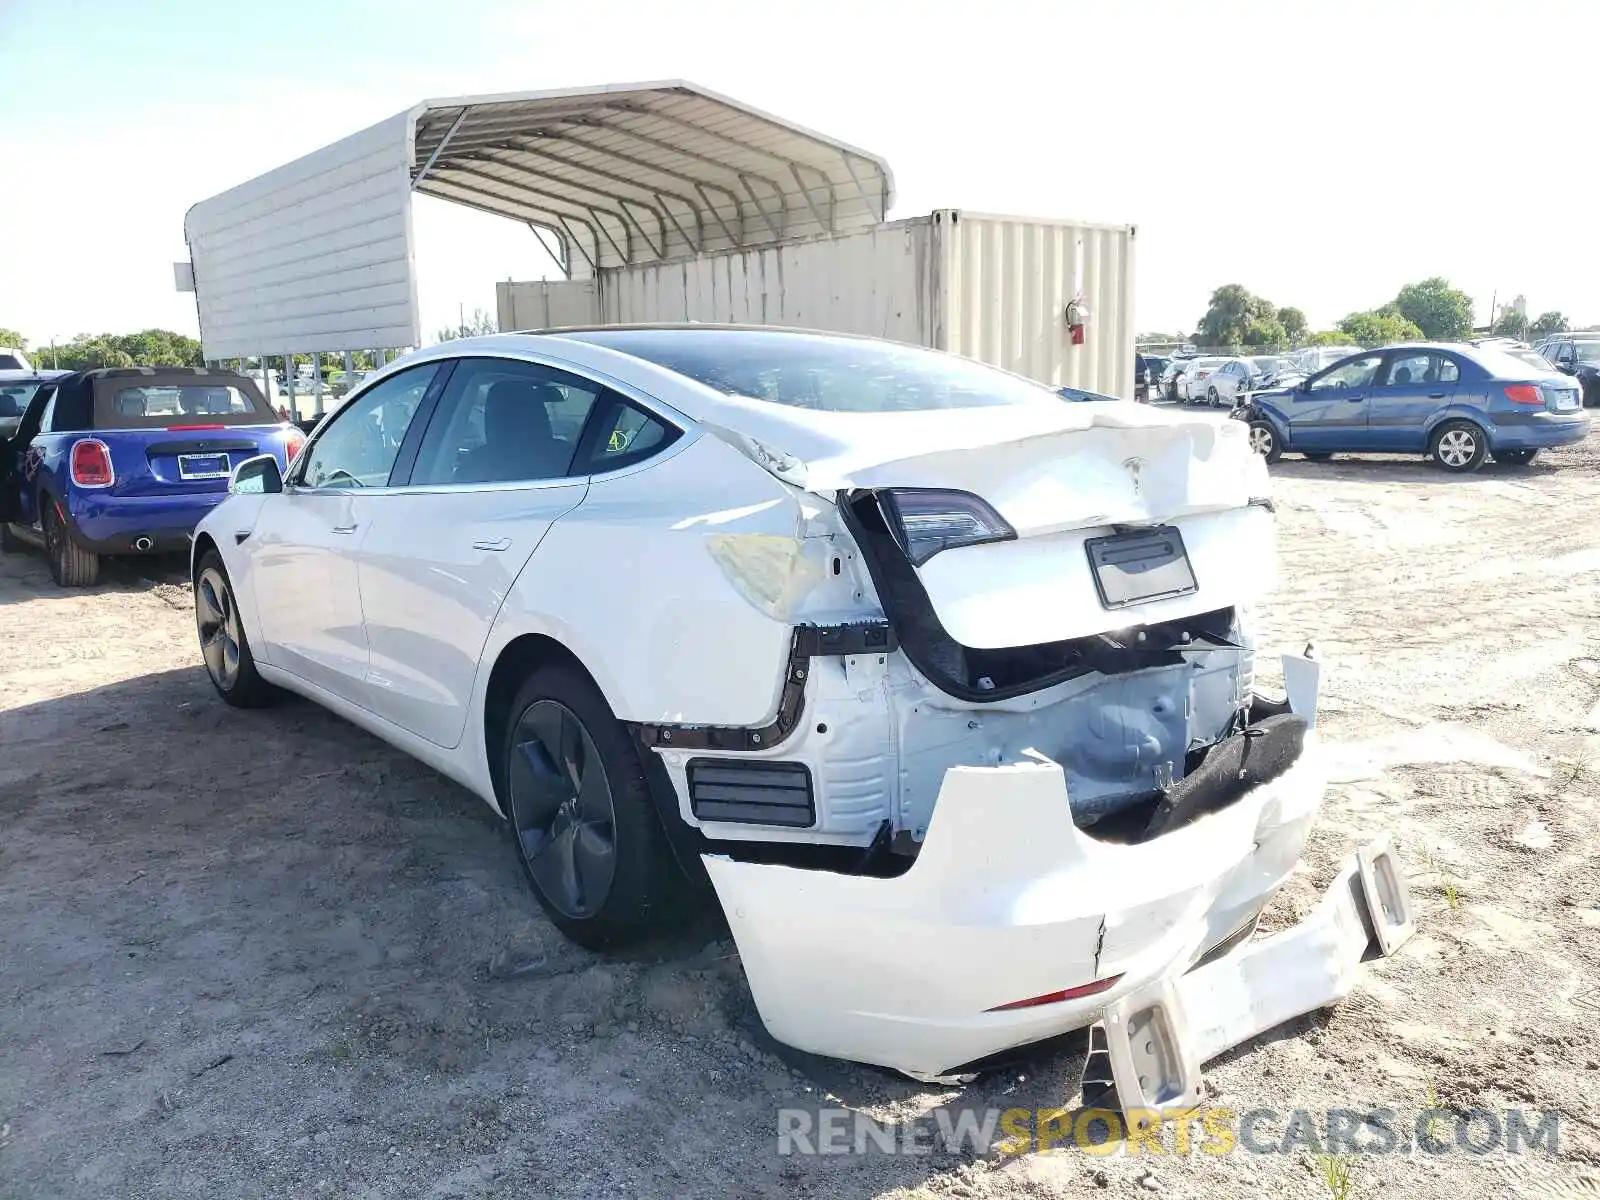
x,y
988,287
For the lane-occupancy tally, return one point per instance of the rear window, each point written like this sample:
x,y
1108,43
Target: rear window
x,y
122,404
829,374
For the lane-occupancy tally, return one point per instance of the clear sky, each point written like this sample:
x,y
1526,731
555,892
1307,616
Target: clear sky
x,y
1320,152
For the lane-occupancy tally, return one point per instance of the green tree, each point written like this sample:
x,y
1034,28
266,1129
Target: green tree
x,y
1328,337
1512,323
1238,317
147,348
10,337
1439,311
1378,329
1293,322
1547,323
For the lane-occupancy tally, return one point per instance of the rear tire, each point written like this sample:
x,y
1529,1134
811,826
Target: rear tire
x,y
1459,447
223,645
70,564
581,815
1516,458
1214,400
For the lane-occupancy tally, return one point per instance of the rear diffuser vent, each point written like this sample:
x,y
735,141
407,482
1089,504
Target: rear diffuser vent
x,y
751,792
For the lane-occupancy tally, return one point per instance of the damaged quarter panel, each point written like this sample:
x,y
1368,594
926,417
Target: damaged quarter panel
x,y
677,586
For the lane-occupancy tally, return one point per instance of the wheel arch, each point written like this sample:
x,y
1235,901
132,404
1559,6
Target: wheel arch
x,y
517,659
204,543
1444,416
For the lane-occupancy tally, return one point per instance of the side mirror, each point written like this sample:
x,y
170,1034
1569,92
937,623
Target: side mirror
x,y
1303,386
258,476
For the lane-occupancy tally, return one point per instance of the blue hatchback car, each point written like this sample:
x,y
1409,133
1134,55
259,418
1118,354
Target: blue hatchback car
x,y
1457,404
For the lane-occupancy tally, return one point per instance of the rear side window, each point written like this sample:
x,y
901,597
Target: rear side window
x,y
626,435
10,362
162,404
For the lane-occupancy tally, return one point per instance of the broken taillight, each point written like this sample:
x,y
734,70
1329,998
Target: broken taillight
x,y
927,520
91,463
1077,993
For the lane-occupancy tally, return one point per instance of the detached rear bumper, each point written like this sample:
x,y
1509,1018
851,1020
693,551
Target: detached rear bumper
x,y
1009,901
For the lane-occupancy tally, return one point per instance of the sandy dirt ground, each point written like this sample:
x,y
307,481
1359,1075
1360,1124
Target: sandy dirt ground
x,y
262,954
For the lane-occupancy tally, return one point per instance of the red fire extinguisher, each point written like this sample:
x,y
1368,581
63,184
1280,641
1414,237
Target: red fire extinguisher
x,y
1077,318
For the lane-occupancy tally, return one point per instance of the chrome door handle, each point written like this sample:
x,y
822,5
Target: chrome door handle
x,y
492,544
344,528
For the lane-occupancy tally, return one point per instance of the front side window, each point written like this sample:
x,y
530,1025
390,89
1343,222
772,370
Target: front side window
x,y
1358,372
1588,352
361,443
502,421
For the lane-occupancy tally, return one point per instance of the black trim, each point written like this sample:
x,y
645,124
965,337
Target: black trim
x,y
752,792
808,642
405,459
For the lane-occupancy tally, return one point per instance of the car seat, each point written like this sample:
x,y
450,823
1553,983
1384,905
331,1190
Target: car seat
x,y
518,442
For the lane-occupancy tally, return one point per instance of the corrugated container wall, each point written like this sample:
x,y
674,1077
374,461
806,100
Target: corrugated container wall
x,y
991,288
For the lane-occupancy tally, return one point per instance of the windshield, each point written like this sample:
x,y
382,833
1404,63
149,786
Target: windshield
x,y
829,374
14,398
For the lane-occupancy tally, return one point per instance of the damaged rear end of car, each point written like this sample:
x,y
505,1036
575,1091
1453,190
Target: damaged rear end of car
x,y
1022,780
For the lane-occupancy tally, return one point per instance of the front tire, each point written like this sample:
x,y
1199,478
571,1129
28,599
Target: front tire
x,y
223,644
581,814
1459,447
1516,458
70,564
1264,441
1214,400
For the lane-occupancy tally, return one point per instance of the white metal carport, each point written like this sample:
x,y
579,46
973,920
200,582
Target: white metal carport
x,y
317,255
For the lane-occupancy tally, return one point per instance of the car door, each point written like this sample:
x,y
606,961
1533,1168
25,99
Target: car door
x,y
305,541
1412,387
507,453
1329,411
19,462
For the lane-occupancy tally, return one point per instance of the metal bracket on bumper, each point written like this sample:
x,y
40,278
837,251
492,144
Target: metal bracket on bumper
x,y
1159,1036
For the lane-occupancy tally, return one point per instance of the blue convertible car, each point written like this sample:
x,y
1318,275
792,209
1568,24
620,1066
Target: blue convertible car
x,y
1457,404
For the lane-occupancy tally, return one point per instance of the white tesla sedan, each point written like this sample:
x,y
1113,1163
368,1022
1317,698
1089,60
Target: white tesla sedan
x,y
944,684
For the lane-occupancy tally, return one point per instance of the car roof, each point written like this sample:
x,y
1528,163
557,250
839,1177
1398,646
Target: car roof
x,y
37,375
